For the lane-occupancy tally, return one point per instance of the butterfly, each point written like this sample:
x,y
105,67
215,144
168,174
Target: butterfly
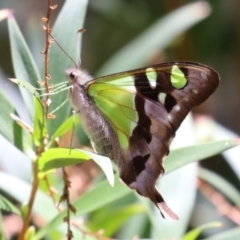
x,y
132,116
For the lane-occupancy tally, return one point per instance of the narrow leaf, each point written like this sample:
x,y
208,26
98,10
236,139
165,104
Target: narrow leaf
x,y
25,85
22,136
6,122
39,124
23,63
60,157
226,235
112,220
2,234
64,127
8,206
182,156
30,233
21,123
10,129
193,234
20,190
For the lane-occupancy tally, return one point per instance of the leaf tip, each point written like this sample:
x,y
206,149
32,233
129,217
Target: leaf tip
x,y
6,13
111,181
202,9
13,80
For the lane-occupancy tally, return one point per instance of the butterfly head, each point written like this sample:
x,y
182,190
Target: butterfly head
x,y
77,76
77,81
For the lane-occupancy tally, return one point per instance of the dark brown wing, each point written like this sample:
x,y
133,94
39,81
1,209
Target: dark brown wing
x,y
159,118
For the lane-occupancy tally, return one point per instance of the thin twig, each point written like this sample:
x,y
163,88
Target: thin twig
x,y
31,201
46,52
220,202
39,150
70,208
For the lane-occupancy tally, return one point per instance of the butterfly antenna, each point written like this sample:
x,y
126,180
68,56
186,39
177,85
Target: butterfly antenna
x,y
63,50
82,30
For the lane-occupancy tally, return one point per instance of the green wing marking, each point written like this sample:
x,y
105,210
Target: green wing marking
x,y
117,105
178,78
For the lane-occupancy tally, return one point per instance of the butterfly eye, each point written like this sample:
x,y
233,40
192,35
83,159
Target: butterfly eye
x,y
72,75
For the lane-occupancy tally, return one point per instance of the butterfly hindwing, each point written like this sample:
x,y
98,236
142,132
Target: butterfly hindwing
x,y
143,108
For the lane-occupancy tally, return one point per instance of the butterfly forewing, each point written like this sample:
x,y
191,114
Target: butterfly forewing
x,y
143,109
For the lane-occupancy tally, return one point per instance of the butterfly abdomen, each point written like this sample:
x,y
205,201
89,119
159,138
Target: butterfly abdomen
x,y
95,125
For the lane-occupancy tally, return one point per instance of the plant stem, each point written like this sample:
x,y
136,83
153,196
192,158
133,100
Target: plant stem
x,y
39,150
45,52
31,201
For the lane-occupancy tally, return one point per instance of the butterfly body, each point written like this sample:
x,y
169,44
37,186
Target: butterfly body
x,y
94,123
132,117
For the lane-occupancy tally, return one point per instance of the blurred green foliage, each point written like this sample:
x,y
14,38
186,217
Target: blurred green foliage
x,y
110,26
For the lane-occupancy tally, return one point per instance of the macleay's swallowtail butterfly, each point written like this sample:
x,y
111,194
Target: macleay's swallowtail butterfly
x,y
132,116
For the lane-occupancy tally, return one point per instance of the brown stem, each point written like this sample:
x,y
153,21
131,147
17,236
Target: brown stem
x,y
31,201
46,51
66,198
35,183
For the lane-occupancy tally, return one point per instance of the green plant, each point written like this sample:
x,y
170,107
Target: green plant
x,y
102,205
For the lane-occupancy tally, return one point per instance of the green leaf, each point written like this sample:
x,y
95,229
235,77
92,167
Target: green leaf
x,y
39,124
101,195
23,63
226,235
10,128
2,235
31,231
22,136
26,85
62,157
8,206
111,220
64,127
40,130
138,223
6,122
156,38
193,234
24,211
20,190
69,21
182,156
